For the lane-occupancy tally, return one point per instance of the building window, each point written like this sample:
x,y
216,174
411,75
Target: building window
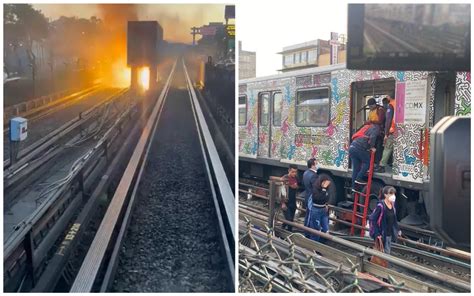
x,y
264,108
304,57
243,109
312,54
295,61
312,107
288,59
277,101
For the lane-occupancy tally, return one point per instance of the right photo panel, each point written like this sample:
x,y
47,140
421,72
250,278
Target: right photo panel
x,y
354,147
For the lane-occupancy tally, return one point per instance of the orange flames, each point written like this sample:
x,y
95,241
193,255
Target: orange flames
x,y
144,78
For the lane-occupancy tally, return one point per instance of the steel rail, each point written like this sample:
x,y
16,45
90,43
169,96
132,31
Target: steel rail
x,y
202,140
68,196
226,194
114,257
53,106
459,265
27,225
429,233
38,147
96,253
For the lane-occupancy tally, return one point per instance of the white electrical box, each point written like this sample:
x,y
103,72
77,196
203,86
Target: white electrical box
x,y
18,129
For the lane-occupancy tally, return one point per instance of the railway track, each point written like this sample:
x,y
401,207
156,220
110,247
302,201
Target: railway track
x,y
419,270
419,236
170,224
43,121
49,184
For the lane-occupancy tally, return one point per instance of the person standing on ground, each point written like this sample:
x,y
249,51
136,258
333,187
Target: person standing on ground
x,y
317,208
289,205
308,179
389,129
384,219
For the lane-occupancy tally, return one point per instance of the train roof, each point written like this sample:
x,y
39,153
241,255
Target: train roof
x,y
314,70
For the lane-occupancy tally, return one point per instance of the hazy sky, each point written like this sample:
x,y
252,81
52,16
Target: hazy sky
x,y
176,19
286,23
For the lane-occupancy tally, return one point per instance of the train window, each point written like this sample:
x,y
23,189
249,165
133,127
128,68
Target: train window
x,y
264,108
242,110
312,107
277,101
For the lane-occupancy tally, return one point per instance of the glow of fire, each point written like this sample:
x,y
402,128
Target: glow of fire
x,y
120,75
144,78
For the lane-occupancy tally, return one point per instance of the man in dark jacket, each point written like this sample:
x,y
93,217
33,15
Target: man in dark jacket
x,y
359,152
317,208
308,179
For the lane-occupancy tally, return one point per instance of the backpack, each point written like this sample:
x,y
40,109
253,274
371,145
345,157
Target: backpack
x,y
372,222
361,132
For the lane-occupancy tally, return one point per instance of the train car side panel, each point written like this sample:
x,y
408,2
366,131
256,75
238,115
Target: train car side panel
x,y
463,94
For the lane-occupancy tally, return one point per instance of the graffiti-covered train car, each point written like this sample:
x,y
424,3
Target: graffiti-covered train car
x,y
288,118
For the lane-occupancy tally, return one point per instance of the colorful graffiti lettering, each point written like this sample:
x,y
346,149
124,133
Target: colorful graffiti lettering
x,y
335,89
254,148
249,127
330,130
299,140
291,152
314,151
400,75
285,126
262,137
287,94
327,157
340,157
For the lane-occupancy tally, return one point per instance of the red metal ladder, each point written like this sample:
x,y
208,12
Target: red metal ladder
x,y
365,206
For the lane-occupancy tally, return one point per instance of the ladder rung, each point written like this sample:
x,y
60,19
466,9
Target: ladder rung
x,y
359,215
358,192
360,205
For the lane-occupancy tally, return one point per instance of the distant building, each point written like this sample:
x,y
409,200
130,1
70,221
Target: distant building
x,y
314,53
247,63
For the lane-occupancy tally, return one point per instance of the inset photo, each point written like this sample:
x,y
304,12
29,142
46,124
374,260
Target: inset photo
x,y
119,141
354,148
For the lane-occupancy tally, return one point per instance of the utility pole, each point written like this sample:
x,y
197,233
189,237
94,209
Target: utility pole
x,y
195,31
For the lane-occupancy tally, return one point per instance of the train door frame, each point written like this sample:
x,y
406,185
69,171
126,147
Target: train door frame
x,y
270,124
445,93
259,121
355,97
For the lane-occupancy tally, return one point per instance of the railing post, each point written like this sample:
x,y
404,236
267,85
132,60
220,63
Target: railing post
x,y
28,245
271,202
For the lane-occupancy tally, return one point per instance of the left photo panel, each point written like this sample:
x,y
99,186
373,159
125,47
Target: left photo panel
x,y
119,135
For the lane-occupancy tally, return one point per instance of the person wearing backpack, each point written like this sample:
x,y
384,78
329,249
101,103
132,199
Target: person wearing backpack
x,y
383,220
363,141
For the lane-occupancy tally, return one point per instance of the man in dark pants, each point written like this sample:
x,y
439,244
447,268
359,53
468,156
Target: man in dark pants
x,y
363,141
318,210
308,179
289,206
